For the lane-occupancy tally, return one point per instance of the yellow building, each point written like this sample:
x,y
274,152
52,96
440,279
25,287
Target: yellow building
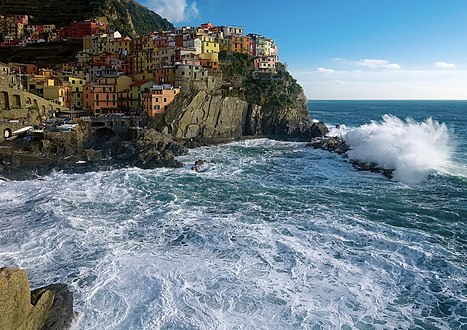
x,y
76,85
58,92
209,44
124,46
48,28
121,82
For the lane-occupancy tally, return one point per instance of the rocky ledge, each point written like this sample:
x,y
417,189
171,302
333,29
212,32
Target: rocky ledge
x,y
46,308
338,145
83,151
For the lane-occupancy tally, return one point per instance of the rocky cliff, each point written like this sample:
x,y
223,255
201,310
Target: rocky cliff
x,y
244,104
126,16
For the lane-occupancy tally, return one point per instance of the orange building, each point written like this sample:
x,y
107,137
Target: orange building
x,y
239,44
158,98
165,75
100,99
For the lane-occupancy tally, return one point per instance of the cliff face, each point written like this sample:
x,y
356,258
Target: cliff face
x,y
209,116
244,105
203,115
126,16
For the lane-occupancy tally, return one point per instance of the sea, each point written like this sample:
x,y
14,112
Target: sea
x,y
275,235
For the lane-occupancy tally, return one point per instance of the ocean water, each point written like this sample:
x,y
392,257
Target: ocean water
x,y
275,235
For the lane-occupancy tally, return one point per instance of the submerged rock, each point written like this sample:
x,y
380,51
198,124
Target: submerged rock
x,y
48,308
372,167
201,165
330,143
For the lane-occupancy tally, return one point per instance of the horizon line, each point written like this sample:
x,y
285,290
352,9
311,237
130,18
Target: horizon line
x,y
386,99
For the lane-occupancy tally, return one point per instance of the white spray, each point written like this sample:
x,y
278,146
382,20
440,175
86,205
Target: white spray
x,y
413,149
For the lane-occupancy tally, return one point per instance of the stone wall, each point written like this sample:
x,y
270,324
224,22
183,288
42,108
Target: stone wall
x,y
19,109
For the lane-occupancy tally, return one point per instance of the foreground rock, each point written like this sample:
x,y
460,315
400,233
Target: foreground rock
x,y
338,145
84,150
48,308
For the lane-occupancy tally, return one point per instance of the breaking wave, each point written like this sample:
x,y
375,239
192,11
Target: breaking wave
x,y
413,149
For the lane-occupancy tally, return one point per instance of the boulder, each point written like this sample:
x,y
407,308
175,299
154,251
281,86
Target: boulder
x,y
17,311
318,129
61,313
46,308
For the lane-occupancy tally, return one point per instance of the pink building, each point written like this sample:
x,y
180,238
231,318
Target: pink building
x,y
265,64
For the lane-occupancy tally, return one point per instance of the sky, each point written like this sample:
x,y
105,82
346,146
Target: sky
x,y
351,49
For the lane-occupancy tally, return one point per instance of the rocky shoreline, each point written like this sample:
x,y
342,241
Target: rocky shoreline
x,y
67,152
339,146
75,152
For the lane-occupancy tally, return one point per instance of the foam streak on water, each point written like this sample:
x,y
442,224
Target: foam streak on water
x,y
275,236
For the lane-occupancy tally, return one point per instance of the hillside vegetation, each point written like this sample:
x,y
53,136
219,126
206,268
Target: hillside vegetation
x,y
126,16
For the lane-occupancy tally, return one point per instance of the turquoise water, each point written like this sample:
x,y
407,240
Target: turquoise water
x,y
274,236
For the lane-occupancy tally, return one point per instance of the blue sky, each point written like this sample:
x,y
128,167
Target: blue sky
x,y
352,49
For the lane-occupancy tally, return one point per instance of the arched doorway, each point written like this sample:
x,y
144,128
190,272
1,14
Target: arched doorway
x,y
7,133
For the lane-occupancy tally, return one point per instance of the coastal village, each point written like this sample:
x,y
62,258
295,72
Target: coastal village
x,y
115,75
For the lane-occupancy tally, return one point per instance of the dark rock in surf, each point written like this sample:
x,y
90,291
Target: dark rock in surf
x,y
338,145
318,129
201,165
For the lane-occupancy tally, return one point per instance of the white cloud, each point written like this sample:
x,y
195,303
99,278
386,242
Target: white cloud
x,y
324,70
175,11
378,64
384,84
443,65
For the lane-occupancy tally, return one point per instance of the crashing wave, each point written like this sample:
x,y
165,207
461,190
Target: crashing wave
x,y
413,149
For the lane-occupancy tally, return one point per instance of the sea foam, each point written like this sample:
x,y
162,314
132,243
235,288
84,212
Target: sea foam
x,y
413,149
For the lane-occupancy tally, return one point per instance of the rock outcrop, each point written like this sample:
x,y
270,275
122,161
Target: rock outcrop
x,y
243,104
207,116
21,309
84,150
338,145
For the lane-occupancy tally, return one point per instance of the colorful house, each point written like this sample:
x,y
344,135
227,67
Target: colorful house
x,y
157,99
265,64
82,29
77,85
100,99
238,44
136,90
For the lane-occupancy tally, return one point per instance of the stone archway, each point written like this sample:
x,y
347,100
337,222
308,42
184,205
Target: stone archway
x,y
28,101
104,133
4,100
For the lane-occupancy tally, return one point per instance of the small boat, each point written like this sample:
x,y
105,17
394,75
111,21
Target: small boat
x,y
24,129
